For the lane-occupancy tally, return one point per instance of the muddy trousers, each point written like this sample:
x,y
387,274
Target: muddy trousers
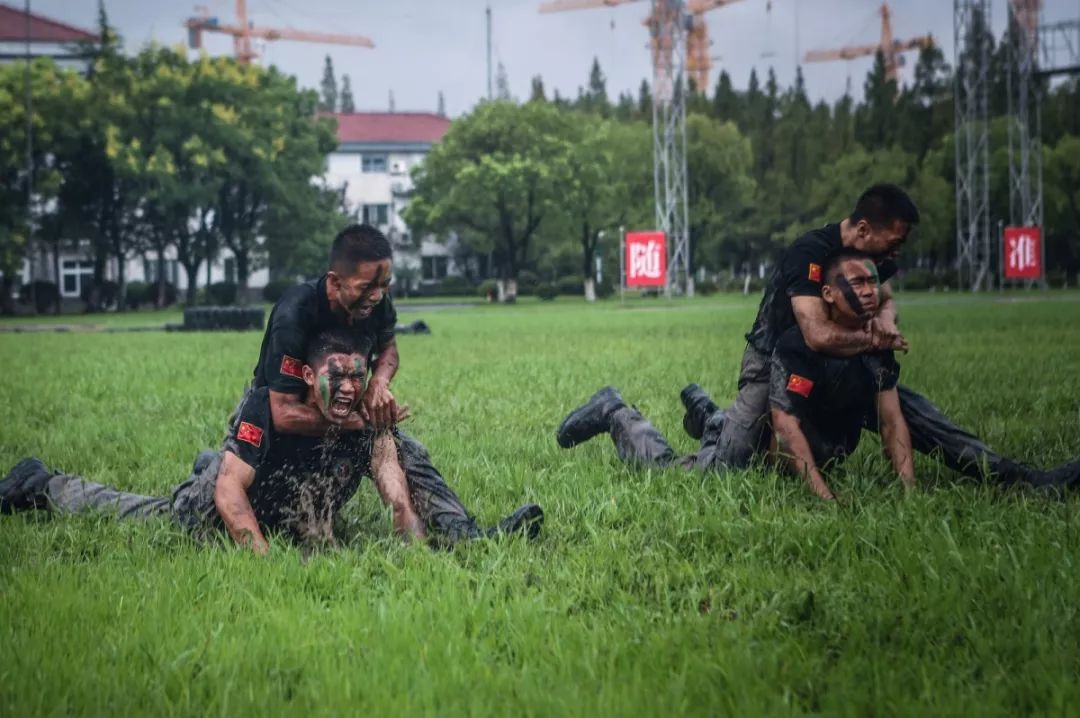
x,y
192,503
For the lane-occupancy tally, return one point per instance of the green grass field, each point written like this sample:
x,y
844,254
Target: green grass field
x,y
649,593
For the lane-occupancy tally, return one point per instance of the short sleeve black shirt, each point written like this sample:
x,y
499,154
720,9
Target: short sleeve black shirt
x,y
832,397
298,316
296,476
799,273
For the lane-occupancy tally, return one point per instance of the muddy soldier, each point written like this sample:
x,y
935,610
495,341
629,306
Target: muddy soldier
x,y
266,480
353,296
819,406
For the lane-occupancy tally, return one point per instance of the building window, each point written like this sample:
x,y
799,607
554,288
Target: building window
x,y
150,267
377,214
433,267
75,273
373,163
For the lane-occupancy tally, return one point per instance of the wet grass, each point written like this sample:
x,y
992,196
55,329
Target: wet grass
x,y
649,592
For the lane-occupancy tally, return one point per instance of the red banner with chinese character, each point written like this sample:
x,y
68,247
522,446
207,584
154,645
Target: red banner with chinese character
x,y
646,259
1022,253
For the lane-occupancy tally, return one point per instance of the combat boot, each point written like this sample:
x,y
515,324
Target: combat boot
x,y
24,487
529,518
591,418
699,407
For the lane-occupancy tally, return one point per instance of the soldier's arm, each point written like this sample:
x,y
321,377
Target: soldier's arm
x,y
895,436
291,415
230,497
884,324
827,337
390,481
378,400
794,450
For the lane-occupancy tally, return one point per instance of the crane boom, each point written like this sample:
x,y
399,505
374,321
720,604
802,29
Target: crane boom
x,y
563,5
888,47
243,32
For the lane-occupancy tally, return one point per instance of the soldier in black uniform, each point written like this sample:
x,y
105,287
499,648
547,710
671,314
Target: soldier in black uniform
x,y
820,404
352,296
266,480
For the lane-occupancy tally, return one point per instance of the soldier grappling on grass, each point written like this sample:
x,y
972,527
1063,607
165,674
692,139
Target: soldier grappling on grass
x,y
353,296
820,405
267,480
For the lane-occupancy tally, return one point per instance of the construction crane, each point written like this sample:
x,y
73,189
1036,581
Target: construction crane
x,y
698,60
243,32
888,47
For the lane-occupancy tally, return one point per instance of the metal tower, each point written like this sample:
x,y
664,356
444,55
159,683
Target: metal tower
x,y
1025,155
667,30
971,31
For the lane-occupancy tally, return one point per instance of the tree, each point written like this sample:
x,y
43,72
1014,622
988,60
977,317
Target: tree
x,y
347,104
644,102
494,177
725,104
329,101
875,120
595,97
441,105
609,184
536,93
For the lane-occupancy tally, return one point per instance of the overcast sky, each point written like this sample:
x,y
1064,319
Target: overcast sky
x,y
423,47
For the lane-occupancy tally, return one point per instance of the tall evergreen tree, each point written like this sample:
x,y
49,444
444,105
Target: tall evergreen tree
x,y
328,88
441,106
875,120
347,104
595,97
725,103
645,99
536,93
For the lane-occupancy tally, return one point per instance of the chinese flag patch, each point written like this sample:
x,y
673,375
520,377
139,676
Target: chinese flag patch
x,y
250,433
800,385
291,366
815,272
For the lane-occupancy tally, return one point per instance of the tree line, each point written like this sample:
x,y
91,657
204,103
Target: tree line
x,y
152,154
530,186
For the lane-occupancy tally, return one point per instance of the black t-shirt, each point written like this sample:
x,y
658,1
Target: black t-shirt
x,y
799,273
831,396
299,315
299,480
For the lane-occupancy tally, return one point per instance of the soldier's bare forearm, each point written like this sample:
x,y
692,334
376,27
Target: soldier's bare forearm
x,y
393,488
795,450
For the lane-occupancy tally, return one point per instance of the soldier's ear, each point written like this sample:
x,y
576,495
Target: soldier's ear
x,y
309,375
826,295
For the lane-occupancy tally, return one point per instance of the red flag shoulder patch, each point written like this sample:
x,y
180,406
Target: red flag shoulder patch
x,y
800,385
815,272
290,366
250,433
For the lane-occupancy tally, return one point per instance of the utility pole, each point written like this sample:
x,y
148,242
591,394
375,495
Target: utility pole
x,y
30,165
487,13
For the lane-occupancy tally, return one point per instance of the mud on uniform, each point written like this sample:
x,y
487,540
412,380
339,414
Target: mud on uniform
x,y
302,313
300,483
744,427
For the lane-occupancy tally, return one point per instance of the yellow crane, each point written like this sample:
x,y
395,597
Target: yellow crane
x,y
698,60
890,48
243,32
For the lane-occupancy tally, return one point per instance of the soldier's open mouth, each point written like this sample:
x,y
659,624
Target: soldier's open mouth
x,y
341,407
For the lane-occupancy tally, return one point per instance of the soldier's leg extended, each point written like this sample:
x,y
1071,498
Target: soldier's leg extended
x,y
32,485
964,452
637,440
440,508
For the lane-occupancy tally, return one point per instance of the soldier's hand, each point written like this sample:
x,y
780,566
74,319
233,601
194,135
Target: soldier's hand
x,y
403,412
379,406
353,422
886,335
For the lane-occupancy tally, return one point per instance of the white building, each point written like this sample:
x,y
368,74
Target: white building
x,y
376,152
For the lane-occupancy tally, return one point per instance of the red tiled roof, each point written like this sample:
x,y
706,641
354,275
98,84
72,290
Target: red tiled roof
x,y
42,29
390,127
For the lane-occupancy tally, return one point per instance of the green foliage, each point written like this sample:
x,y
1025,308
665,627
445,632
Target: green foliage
x,y
487,288
41,292
546,291
456,286
222,293
570,286
138,294
648,590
